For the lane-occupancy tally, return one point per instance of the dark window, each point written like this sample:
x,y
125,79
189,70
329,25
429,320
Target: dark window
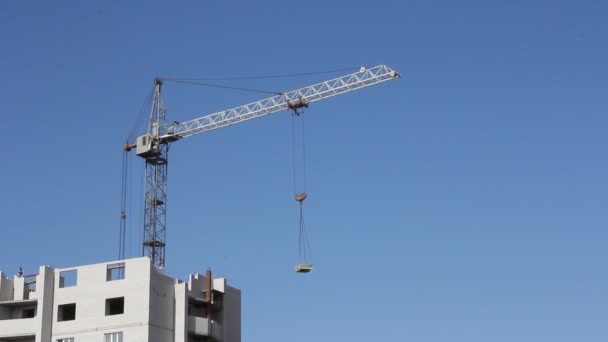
x,y
28,313
115,306
197,309
66,312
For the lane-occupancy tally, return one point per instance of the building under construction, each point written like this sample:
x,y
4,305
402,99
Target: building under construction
x,y
132,299
125,300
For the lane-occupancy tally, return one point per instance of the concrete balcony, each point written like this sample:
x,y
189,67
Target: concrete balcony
x,y
17,328
204,327
17,319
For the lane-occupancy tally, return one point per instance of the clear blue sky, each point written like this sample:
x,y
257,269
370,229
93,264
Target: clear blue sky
x,y
464,202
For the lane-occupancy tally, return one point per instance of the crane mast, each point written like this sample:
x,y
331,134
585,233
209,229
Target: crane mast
x,y
154,145
156,154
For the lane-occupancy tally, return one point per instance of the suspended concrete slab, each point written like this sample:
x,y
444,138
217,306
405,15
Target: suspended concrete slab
x,y
303,268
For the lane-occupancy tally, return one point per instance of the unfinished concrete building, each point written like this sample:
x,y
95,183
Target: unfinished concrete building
x,y
125,300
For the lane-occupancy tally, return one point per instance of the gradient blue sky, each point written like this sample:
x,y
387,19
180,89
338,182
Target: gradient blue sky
x,y
464,202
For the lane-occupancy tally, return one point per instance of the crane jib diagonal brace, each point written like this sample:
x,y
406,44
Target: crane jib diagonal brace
x,y
295,98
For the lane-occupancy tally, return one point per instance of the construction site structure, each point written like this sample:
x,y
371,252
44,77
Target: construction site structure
x,y
153,146
118,301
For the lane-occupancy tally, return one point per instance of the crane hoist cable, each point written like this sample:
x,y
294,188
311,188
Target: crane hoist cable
x,y
244,78
300,185
304,250
222,86
123,206
298,154
141,115
139,120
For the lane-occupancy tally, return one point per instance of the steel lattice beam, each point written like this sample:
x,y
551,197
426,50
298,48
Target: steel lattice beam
x,y
316,92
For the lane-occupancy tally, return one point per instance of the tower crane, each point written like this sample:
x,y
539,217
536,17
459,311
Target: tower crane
x,y
153,146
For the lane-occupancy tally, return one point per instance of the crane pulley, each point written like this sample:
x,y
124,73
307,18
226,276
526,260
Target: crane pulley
x,y
153,146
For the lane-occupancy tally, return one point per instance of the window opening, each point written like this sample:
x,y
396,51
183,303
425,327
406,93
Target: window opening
x,y
197,309
113,337
30,281
115,271
66,312
28,313
68,278
115,306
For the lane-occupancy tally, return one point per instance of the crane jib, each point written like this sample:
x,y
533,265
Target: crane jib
x,y
290,100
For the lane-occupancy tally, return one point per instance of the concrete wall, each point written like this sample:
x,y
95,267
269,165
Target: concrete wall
x,y
232,314
6,288
17,327
19,287
90,296
45,282
162,299
196,285
5,313
181,313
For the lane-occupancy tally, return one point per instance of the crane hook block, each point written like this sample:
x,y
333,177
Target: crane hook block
x,y
300,197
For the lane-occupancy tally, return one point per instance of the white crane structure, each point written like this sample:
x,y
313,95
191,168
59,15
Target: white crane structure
x,y
154,145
